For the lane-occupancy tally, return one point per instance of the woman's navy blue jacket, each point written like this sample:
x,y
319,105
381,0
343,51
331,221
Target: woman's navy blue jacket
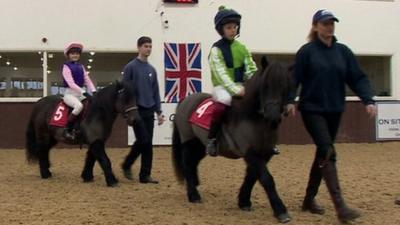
x,y
323,72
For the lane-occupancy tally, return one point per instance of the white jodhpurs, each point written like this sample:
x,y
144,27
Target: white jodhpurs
x,y
221,95
73,99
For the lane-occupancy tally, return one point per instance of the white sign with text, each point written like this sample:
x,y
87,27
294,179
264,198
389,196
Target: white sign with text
x,y
388,121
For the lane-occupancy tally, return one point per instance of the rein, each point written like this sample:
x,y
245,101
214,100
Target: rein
x,y
130,109
127,110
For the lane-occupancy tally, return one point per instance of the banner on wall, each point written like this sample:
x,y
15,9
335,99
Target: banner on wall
x,y
388,121
182,67
163,133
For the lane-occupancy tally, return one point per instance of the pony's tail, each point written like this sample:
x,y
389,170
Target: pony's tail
x,y
177,154
31,144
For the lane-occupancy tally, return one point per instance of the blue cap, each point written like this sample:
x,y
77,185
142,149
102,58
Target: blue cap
x,y
324,15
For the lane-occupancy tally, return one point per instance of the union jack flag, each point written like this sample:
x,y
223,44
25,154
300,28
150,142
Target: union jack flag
x,y
182,70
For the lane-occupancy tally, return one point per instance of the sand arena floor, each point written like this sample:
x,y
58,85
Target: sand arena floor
x,y
369,173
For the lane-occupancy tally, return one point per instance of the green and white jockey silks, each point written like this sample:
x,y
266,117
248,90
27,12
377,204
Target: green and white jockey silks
x,y
231,64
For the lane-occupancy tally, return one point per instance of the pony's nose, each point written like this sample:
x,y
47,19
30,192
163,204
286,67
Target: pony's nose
x,y
133,119
130,122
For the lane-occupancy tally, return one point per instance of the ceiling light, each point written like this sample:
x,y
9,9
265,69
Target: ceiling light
x,y
48,72
92,53
122,73
89,67
90,60
15,68
1,56
39,52
8,63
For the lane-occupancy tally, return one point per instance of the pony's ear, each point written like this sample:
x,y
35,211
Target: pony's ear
x,y
264,62
118,84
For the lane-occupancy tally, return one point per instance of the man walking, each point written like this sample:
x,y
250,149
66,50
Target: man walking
x,y
144,79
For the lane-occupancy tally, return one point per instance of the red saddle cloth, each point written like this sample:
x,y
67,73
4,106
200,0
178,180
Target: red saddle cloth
x,y
60,115
206,112
62,111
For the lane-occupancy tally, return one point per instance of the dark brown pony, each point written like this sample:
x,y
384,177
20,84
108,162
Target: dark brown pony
x,y
96,128
249,131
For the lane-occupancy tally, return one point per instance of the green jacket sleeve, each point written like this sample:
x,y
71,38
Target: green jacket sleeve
x,y
220,72
249,64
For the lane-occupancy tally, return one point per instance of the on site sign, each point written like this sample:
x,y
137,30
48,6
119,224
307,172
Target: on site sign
x,y
388,121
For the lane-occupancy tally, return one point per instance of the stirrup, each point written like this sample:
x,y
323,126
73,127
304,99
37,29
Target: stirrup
x,y
69,136
276,151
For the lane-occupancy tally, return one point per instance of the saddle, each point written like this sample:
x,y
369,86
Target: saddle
x,y
61,113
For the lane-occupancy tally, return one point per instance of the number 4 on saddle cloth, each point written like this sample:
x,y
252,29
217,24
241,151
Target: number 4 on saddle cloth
x,y
62,111
208,111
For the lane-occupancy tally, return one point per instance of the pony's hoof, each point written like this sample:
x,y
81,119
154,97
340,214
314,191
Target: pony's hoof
x,y
196,201
245,205
194,197
112,184
397,201
348,215
284,218
88,180
46,175
128,174
246,208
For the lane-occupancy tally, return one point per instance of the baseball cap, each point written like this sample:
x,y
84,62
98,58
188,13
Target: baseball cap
x,y
324,15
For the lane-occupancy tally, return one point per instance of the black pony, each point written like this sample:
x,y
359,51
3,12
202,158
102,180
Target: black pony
x,y
249,131
96,127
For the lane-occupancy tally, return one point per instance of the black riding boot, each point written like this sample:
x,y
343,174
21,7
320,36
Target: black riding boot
x,y
309,203
211,147
329,174
69,133
218,117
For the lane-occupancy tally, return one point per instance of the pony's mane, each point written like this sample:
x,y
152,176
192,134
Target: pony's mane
x,y
277,78
103,103
129,90
109,93
269,81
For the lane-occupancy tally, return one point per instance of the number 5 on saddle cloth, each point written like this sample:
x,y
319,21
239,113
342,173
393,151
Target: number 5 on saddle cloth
x,y
62,111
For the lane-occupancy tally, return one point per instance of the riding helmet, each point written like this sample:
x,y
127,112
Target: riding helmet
x,y
73,47
225,16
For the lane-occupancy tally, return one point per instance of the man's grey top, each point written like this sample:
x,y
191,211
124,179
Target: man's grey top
x,y
144,79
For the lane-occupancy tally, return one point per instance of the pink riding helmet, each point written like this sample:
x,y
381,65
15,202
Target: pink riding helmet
x,y
71,46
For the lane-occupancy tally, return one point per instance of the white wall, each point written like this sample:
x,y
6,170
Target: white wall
x,y
270,26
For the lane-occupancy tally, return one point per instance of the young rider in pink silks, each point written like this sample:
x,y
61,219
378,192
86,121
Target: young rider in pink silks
x,y
75,78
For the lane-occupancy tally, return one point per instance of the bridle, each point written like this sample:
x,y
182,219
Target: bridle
x,y
128,108
265,106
